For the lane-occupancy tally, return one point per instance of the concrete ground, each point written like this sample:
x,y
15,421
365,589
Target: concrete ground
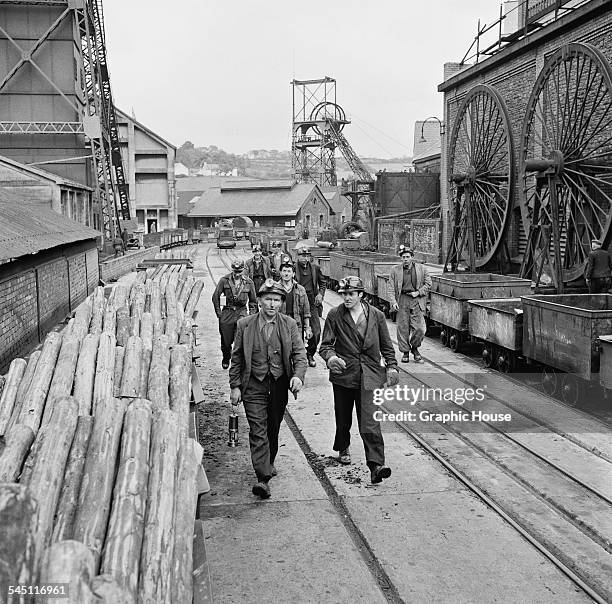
x,y
327,534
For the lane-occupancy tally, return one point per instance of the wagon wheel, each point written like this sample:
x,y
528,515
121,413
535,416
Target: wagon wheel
x,y
566,150
455,341
571,389
505,361
481,171
549,381
444,336
488,355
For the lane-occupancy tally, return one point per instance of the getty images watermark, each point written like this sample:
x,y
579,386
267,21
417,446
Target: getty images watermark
x,y
423,394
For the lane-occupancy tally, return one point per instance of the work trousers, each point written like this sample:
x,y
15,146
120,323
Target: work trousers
x,y
599,285
369,428
410,324
315,325
264,405
227,328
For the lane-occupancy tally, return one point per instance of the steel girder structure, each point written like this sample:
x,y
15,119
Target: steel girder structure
x,y
313,145
91,107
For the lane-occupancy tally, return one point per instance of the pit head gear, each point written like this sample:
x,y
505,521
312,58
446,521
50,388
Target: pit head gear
x,y
238,265
350,284
271,287
404,249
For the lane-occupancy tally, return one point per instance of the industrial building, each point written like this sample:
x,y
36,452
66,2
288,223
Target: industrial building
x,y
497,104
148,160
33,185
48,265
270,203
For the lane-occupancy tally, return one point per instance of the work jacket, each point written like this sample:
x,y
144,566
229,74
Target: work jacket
x,y
246,296
318,280
341,339
301,306
250,265
293,351
599,265
396,280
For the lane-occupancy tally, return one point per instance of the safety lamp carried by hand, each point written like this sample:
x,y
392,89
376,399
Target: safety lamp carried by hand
x,y
232,440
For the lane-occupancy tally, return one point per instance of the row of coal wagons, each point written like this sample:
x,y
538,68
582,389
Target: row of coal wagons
x,y
565,339
169,238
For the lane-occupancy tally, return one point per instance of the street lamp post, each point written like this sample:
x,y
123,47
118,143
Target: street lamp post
x,y
423,139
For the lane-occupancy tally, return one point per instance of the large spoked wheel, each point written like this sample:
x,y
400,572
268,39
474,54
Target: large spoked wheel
x,y
567,144
481,174
327,111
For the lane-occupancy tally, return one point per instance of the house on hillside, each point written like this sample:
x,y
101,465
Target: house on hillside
x,y
281,204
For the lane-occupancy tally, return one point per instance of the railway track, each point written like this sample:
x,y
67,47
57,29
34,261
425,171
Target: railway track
x,y
575,505
526,470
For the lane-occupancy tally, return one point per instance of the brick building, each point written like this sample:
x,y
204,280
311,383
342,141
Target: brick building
x,y
271,203
48,265
148,160
512,72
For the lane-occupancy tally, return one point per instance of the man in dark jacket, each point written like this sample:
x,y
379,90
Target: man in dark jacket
x,y
354,339
268,360
238,292
308,275
257,268
296,301
598,272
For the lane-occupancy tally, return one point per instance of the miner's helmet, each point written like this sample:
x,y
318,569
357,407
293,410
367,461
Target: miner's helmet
x,y
350,284
271,287
276,244
256,248
238,265
286,261
302,251
405,249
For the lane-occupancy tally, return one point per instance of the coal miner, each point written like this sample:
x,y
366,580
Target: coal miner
x,y
296,301
355,337
308,275
268,360
407,289
598,272
257,268
275,259
239,293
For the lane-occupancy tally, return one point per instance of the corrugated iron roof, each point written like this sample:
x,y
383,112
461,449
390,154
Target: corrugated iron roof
x,y
249,185
27,228
252,202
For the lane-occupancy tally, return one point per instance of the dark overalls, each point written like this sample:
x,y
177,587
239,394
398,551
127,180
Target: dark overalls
x,y
238,297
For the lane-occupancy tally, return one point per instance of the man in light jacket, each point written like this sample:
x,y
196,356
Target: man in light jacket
x,y
407,289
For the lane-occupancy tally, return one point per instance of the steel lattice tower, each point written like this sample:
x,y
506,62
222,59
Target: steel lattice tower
x,y
316,116
57,70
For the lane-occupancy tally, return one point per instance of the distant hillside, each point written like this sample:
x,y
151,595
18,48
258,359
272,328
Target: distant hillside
x,y
263,163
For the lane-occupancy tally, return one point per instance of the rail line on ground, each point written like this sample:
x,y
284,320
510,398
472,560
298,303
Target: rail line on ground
x,y
565,513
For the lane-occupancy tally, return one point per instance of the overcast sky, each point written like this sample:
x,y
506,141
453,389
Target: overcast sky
x,y
217,72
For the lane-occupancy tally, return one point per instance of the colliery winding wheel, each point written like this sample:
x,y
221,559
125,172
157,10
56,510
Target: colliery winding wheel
x,y
566,164
481,170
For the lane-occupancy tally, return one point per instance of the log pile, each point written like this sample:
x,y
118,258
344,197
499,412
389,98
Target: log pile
x,y
94,445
